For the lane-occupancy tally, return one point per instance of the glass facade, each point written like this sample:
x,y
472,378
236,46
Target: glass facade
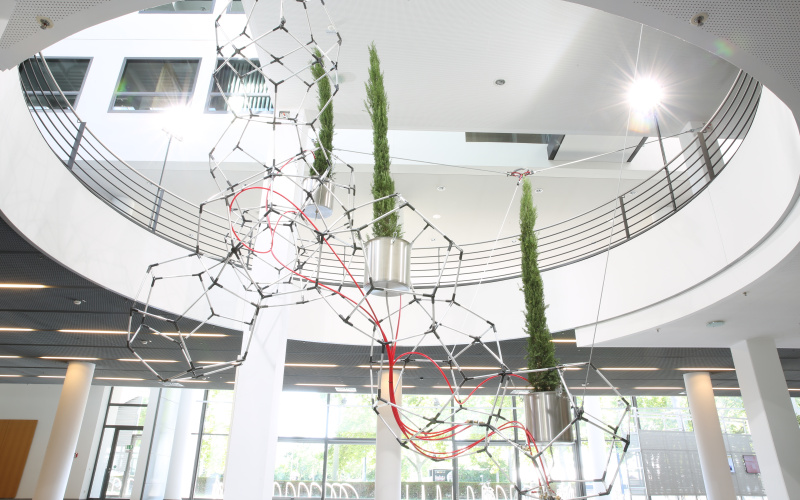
x,y
238,84
118,455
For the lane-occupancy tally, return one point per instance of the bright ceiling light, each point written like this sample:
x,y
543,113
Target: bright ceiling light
x,y
51,376
310,365
628,369
707,369
192,381
20,285
108,332
69,358
659,388
7,376
375,386
136,360
322,385
645,94
10,357
398,366
119,378
187,335
16,330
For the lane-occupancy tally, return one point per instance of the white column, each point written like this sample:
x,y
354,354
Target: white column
x,y
156,451
595,464
707,432
256,406
388,457
175,479
773,425
52,483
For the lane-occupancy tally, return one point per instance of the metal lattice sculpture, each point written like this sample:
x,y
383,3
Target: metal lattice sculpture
x,y
288,223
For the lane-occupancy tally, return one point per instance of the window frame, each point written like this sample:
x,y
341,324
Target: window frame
x,y
210,11
191,94
212,92
78,94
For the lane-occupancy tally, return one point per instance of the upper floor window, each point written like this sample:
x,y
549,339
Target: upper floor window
x,y
240,85
182,7
155,84
41,89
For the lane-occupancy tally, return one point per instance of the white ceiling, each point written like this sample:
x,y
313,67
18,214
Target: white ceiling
x,y
567,68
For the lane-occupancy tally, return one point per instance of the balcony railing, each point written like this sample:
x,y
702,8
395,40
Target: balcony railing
x,y
671,187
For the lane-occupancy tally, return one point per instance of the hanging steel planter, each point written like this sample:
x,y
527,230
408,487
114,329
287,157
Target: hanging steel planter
x,y
546,415
319,204
387,261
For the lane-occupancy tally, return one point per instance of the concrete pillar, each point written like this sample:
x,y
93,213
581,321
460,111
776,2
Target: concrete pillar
x,y
707,432
175,477
773,425
388,457
52,483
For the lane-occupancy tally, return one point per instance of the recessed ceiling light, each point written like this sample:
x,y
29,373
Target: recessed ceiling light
x,y
440,188
192,381
69,358
798,389
322,385
633,192
209,362
345,389
499,82
119,378
136,360
538,190
626,369
230,382
9,376
592,387
187,335
20,285
496,368
51,376
16,329
715,323
707,369
398,366
105,332
437,216
311,365
10,357
659,388
456,387
375,386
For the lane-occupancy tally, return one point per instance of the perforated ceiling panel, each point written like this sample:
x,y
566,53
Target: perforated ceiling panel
x,y
23,22
767,30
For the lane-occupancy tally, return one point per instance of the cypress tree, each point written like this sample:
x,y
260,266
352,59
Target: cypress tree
x,y
382,184
324,147
541,352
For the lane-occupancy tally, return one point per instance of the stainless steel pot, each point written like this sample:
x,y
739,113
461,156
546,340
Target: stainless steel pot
x,y
547,414
388,262
320,204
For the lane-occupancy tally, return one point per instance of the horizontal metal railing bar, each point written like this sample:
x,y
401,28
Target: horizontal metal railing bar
x,y
571,240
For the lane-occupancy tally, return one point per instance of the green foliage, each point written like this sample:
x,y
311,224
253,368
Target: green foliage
x,y
541,350
382,184
322,153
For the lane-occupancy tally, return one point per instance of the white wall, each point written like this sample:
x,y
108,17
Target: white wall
x,y
39,402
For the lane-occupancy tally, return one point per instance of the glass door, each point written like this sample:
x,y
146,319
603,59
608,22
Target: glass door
x,y
121,447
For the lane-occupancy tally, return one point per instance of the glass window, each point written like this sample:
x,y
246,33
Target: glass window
x,y
351,416
298,469
214,444
304,414
238,84
351,470
41,89
236,7
182,7
423,478
155,84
